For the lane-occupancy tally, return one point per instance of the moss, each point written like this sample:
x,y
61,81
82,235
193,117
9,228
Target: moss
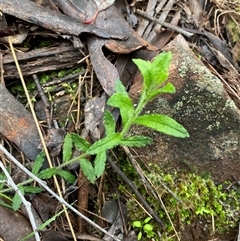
x,y
233,30
201,201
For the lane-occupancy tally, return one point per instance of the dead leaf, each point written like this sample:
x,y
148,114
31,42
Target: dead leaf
x,y
109,20
106,72
101,5
44,205
112,19
54,141
93,113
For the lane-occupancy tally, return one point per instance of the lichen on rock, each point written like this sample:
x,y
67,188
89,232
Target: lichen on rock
x,y
203,107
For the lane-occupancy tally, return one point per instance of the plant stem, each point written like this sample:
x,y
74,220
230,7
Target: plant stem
x,y
73,160
142,102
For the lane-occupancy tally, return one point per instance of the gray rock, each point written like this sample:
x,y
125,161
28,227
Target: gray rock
x,y
203,107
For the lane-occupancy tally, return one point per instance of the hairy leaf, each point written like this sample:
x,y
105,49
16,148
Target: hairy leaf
x,y
109,122
166,89
88,170
162,123
145,69
80,142
160,65
120,88
99,164
47,173
66,175
104,144
124,103
17,201
67,148
38,162
136,141
155,73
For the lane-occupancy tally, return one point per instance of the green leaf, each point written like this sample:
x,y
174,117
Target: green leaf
x,y
145,69
137,224
162,123
38,162
47,173
166,89
30,189
109,122
80,142
88,170
2,179
104,144
136,141
2,203
202,210
155,73
139,235
67,148
146,220
148,227
99,163
66,175
159,68
42,226
124,103
120,88
17,201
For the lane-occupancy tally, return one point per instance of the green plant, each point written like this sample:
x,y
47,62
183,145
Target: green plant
x,y
15,201
154,76
201,201
144,228
24,187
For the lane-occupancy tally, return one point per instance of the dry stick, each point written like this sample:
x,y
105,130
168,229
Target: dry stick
x,y
40,134
60,199
137,193
167,25
25,202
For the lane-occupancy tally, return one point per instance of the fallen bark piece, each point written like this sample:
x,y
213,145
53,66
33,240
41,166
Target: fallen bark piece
x,y
203,107
41,60
46,18
17,124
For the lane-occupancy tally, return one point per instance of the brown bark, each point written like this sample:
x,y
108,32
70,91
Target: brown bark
x,y
41,60
57,22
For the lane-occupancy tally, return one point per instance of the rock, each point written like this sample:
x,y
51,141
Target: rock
x,y
13,225
17,124
203,107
